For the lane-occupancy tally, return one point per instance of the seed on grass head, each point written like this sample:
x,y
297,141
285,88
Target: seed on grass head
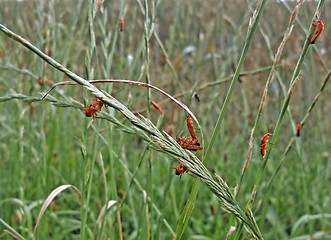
x,y
170,129
212,208
49,52
32,108
163,57
120,193
318,59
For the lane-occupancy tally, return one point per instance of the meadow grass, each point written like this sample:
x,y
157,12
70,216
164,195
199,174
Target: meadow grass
x,y
114,178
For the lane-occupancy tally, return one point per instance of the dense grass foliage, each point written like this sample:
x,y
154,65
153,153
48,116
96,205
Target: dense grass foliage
x,y
192,54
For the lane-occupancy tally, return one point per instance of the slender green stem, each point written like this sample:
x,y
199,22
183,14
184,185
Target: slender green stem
x,y
304,30
88,165
286,102
268,82
89,175
252,28
327,78
248,42
115,38
302,122
12,230
147,28
156,35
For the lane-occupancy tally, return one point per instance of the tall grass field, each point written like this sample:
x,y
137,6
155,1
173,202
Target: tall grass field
x,y
151,119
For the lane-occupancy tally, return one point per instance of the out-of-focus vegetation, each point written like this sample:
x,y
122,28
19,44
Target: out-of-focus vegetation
x,y
44,146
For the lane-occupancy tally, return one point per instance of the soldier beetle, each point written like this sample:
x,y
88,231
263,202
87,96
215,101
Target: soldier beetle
x,y
121,24
180,169
190,127
264,141
298,129
41,81
157,107
190,143
99,4
318,31
91,110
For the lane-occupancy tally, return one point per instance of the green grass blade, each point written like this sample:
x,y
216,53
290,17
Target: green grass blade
x,y
187,212
248,42
12,230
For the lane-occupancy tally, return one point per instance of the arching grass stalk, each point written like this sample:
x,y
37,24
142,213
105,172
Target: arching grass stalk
x,y
151,134
294,80
209,85
217,185
109,100
136,83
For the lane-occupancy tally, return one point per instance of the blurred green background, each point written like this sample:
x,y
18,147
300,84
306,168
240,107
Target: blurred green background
x,y
46,145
